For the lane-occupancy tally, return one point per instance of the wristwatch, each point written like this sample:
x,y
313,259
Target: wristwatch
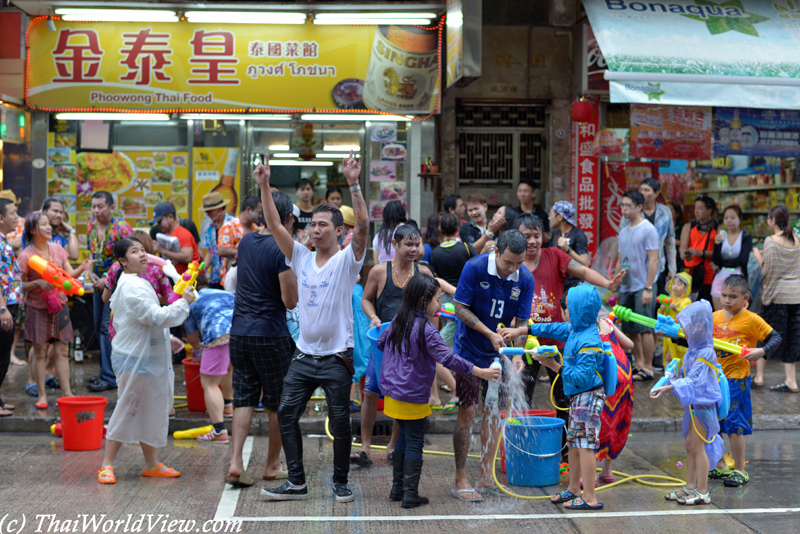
x,y
3,310
489,234
649,289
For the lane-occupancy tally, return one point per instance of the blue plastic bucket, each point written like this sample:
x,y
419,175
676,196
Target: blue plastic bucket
x,y
377,355
533,451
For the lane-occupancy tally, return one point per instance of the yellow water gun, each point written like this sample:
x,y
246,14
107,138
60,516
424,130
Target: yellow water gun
x,y
188,280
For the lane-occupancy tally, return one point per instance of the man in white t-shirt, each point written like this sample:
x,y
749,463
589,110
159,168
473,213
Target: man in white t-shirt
x,y
324,355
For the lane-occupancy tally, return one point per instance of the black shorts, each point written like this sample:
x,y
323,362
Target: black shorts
x,y
785,319
470,389
259,363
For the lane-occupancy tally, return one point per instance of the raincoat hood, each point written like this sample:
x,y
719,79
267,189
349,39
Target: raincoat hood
x,y
687,279
583,303
697,322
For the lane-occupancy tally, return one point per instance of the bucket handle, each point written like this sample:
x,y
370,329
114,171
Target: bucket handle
x,y
508,441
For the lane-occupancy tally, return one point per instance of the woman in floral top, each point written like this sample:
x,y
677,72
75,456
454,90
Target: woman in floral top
x,y
153,274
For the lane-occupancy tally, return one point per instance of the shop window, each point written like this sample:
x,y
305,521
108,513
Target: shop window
x,y
216,133
171,133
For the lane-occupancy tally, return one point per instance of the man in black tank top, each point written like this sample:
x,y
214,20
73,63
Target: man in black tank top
x,y
383,295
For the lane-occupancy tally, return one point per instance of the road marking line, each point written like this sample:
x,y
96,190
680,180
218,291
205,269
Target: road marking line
x,y
516,517
230,495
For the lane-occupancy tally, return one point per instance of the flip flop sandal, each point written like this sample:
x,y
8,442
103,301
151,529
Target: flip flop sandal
x,y
457,494
642,376
280,474
41,405
361,459
445,388
757,385
239,481
783,388
106,476
32,390
52,382
606,480
6,406
579,504
491,490
564,496
161,471
450,405
436,406
5,413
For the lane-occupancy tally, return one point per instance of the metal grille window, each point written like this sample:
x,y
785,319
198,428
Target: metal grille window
x,y
499,144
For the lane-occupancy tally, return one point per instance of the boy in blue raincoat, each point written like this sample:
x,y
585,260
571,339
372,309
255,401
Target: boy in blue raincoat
x,y
697,387
583,362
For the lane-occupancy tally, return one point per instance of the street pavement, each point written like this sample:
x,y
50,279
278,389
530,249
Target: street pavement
x,y
45,486
42,483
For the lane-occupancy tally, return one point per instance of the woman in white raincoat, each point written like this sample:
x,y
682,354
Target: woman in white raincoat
x,y
142,360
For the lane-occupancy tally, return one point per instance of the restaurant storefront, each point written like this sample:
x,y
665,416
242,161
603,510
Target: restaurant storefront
x,y
169,111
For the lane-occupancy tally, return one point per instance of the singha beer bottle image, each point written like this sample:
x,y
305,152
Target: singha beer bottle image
x,y
403,70
225,187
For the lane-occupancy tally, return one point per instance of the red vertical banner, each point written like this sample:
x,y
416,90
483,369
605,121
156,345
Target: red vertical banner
x,y
584,170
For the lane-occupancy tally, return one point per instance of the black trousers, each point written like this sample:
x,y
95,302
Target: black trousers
x,y
7,345
306,373
562,401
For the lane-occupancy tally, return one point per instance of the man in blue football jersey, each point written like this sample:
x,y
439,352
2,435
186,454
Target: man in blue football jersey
x,y
494,289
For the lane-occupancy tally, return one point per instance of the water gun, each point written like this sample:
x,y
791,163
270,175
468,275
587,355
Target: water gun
x,y
192,433
56,276
667,326
448,312
671,370
665,300
166,266
544,351
188,280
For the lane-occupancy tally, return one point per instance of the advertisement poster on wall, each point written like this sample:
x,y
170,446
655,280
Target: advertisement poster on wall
x,y
670,132
757,132
584,173
617,178
215,169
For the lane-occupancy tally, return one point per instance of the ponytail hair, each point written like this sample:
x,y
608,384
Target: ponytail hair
x,y
780,215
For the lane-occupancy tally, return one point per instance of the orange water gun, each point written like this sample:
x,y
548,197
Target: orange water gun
x,y
56,276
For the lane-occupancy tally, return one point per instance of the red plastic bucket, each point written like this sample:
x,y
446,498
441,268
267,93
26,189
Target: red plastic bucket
x,y
195,397
82,421
521,413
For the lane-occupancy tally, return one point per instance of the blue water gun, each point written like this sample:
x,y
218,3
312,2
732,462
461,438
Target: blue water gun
x,y
725,403
545,351
672,370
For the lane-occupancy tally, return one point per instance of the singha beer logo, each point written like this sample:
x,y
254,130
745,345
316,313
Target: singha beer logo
x,y
398,87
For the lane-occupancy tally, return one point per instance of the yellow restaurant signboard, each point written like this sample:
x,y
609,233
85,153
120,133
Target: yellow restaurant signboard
x,y
177,67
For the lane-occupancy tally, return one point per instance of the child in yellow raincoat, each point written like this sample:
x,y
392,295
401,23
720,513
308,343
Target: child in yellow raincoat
x,y
679,288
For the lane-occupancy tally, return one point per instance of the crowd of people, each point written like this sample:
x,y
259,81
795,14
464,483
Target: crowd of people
x,y
279,313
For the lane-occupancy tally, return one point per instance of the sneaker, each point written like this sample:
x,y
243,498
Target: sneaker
x,y
343,492
216,437
719,474
260,407
736,479
285,492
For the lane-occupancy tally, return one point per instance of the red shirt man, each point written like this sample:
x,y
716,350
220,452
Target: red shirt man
x,y
166,218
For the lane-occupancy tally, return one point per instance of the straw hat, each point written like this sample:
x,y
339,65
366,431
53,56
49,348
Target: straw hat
x,y
348,215
9,194
213,201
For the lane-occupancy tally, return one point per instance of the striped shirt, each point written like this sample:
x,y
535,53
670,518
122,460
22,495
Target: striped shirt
x,y
781,269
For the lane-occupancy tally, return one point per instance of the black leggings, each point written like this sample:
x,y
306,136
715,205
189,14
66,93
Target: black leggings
x,y
7,345
306,373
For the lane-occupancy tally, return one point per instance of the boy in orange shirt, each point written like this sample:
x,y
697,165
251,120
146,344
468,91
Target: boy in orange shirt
x,y
738,325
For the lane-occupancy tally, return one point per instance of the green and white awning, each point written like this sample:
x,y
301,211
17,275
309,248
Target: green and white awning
x,y
735,53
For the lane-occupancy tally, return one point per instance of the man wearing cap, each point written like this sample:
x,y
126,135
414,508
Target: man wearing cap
x,y
214,208
15,237
104,232
166,219
232,232
566,236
